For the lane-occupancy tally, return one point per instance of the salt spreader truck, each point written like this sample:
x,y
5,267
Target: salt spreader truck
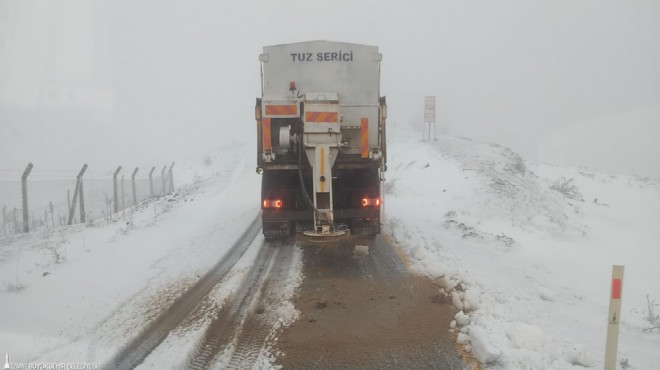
x,y
321,139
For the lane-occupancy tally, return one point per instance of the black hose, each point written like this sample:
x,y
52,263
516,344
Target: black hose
x,y
306,198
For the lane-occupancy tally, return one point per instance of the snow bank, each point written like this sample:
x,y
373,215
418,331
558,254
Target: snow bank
x,y
533,258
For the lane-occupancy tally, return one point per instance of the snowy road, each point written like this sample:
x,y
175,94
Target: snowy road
x,y
136,351
346,300
367,311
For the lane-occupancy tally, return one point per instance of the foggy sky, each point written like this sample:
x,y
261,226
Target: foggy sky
x,y
148,82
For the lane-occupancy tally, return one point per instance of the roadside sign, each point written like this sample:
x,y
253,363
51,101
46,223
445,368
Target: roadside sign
x,y
429,109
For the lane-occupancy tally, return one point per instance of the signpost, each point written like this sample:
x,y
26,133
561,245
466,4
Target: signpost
x,y
614,317
429,116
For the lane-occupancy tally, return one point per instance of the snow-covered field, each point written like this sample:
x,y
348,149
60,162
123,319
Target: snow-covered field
x,y
533,263
78,293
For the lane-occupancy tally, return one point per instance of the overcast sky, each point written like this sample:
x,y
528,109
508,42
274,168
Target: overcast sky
x,y
148,82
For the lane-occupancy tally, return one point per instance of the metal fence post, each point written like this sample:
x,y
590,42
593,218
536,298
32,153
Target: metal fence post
x,y
162,177
16,228
123,195
133,183
151,183
171,178
114,182
52,218
26,215
78,193
80,189
4,220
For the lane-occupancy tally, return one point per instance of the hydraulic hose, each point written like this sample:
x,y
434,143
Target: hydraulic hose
x,y
306,198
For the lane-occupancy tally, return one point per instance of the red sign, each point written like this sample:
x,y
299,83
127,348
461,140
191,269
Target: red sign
x,y
616,288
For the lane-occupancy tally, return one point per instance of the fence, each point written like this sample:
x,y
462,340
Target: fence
x,y
39,198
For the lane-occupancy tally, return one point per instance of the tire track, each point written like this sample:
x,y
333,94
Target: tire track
x,y
240,330
151,337
258,325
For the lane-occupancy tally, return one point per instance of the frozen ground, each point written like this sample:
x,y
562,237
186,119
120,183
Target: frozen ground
x,y
534,264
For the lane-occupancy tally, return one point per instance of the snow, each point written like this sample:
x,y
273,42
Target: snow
x,y
534,265
482,348
80,292
527,266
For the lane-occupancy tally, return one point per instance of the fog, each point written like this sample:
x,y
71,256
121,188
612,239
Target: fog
x,y
141,83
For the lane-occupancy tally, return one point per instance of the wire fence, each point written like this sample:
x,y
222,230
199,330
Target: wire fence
x,y
56,197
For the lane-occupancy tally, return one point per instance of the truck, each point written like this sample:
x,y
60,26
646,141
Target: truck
x,y
321,139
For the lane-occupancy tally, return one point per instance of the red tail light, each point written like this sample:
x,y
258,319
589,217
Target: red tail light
x,y
272,203
370,202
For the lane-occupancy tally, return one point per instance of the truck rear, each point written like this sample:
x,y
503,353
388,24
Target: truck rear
x,y
321,139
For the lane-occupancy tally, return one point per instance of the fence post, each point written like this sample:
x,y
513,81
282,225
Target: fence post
x,y
26,215
52,218
4,220
162,177
133,183
77,192
80,189
151,183
16,228
171,178
114,182
123,195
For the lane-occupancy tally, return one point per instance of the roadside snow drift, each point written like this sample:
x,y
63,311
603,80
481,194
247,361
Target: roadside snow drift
x,y
525,251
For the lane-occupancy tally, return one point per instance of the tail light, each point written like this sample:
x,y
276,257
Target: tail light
x,y
370,202
272,203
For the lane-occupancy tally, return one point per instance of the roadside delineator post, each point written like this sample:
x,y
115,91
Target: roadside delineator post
x,y
614,317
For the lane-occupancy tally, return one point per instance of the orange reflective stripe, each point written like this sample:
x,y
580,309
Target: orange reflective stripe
x,y
282,110
330,117
364,137
265,131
